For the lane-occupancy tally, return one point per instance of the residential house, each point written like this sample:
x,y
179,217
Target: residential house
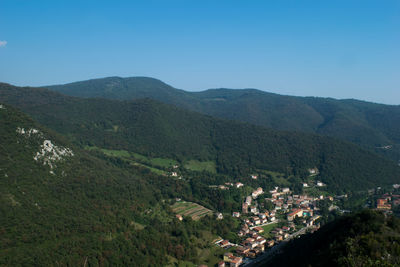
x,y
245,208
224,243
258,229
382,204
295,213
236,214
285,235
242,250
228,257
254,210
238,185
248,200
257,192
285,190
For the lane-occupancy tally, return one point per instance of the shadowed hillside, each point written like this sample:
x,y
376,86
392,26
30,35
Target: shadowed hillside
x,y
367,238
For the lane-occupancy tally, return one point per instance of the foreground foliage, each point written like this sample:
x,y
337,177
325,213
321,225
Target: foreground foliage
x,y
366,238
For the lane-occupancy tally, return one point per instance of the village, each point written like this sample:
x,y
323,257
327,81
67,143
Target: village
x,y
386,202
268,219
289,216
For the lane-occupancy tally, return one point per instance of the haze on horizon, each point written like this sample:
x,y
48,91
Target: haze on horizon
x,y
340,49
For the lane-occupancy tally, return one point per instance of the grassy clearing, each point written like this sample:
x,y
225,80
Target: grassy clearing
x,y
195,165
155,170
268,228
132,158
160,213
139,156
137,226
207,252
282,181
194,210
163,162
315,192
156,164
160,162
278,178
116,153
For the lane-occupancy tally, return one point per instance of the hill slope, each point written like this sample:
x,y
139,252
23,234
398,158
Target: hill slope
x,y
152,128
58,204
61,205
368,124
366,238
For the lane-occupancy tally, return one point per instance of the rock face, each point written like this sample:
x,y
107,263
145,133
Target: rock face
x,y
29,132
49,153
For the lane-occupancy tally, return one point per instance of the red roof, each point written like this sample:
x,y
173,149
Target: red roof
x,y
294,212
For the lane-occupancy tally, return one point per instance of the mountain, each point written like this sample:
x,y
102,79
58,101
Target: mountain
x,y
61,205
367,238
374,126
155,129
123,89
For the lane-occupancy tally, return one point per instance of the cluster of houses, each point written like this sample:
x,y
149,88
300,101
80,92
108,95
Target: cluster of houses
x,y
247,203
295,206
253,244
387,201
230,260
284,203
226,186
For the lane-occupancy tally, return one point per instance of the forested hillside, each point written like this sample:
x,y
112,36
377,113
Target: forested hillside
x,y
374,126
157,129
63,206
367,239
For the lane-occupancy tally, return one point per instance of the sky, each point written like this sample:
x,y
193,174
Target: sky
x,y
340,49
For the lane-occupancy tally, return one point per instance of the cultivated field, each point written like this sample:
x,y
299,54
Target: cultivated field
x,y
191,209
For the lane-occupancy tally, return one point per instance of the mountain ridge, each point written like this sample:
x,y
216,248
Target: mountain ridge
x,y
157,129
370,125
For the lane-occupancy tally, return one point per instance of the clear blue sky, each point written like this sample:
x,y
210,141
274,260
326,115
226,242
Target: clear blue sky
x,y
341,49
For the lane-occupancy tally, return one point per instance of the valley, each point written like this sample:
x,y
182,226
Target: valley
x,y
199,133
127,174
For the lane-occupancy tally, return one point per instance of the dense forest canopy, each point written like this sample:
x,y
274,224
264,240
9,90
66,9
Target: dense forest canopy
x,y
374,126
87,208
149,127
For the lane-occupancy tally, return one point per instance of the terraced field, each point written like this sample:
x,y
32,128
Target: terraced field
x,y
191,209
